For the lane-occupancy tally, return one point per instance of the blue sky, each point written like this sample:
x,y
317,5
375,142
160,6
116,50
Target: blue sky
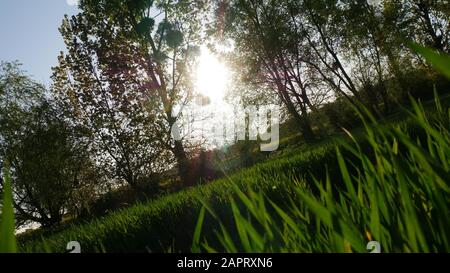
x,y
29,33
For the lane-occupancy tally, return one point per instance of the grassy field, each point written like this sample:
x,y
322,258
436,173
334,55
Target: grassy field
x,y
391,185
168,223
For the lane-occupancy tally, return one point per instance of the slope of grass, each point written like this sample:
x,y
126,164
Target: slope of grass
x,y
316,200
398,194
167,224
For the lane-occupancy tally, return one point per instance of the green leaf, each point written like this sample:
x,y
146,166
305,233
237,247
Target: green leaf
x,y
7,226
139,5
240,226
346,175
441,62
164,26
198,231
145,26
160,57
174,38
321,211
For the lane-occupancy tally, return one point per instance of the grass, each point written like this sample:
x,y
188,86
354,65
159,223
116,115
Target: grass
x,y
167,224
440,62
7,227
391,185
397,194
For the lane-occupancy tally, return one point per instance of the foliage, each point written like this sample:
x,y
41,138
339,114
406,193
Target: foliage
x,y
51,170
441,62
123,78
283,179
321,50
276,208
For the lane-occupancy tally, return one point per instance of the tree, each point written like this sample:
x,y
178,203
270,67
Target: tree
x,y
365,39
422,21
271,46
346,39
125,79
50,164
433,25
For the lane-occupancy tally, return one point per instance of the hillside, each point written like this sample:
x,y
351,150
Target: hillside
x,y
333,196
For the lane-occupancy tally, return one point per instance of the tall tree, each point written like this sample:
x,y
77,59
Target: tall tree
x,y
322,23
365,38
271,46
125,78
49,162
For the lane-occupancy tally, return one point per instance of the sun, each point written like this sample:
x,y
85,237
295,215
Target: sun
x,y
212,76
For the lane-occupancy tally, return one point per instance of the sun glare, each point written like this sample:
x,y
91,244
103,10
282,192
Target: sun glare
x,y
212,76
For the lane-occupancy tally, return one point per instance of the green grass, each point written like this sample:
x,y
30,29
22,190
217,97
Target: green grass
x,y
397,194
440,62
7,227
392,185
168,223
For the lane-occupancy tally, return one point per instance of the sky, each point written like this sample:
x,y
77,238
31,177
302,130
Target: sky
x,y
29,33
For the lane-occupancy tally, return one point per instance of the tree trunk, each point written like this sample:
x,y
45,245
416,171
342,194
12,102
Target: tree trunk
x,y
385,98
183,163
301,120
424,11
178,149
